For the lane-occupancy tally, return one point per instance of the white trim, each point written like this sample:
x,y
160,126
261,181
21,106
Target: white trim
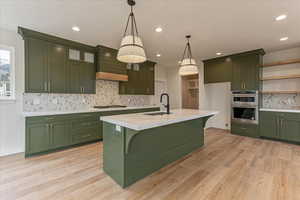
x,y
13,74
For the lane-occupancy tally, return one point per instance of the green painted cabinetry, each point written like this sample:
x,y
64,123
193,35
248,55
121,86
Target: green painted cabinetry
x,y
140,79
50,68
250,130
49,133
242,70
218,70
269,125
280,125
245,72
107,61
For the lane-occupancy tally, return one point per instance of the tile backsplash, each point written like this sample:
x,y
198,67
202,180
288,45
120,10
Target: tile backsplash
x,y
107,92
281,101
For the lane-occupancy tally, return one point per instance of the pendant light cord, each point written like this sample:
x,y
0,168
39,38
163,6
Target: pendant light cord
x,y
188,50
132,21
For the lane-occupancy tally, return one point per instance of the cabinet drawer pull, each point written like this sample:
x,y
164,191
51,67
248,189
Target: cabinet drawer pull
x,y
85,136
50,118
45,86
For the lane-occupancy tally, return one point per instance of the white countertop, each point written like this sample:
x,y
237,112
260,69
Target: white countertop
x,y
280,110
45,113
140,121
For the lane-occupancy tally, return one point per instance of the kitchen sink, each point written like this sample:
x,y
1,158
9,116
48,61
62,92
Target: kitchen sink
x,y
110,106
157,113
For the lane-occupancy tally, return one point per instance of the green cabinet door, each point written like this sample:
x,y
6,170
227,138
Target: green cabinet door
x,y
59,134
57,68
74,77
141,80
88,78
37,138
269,125
217,70
290,127
107,61
36,66
245,72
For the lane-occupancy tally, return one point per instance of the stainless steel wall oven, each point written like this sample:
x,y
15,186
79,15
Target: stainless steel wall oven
x,y
244,107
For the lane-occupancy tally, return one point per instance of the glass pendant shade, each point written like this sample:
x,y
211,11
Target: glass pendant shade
x,y
131,50
188,67
188,64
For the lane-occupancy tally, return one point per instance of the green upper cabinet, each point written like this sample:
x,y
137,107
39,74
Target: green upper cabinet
x,y
82,72
245,72
242,70
217,70
57,68
49,64
107,61
36,66
140,79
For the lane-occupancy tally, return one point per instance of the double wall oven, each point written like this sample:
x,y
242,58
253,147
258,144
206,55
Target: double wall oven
x,y
244,107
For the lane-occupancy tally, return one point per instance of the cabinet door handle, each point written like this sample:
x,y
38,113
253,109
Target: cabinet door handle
x,y
49,86
45,86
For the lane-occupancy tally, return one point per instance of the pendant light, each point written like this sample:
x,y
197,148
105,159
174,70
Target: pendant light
x,y
131,50
188,64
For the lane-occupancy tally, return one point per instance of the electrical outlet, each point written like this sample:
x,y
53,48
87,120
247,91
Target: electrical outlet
x,y
118,128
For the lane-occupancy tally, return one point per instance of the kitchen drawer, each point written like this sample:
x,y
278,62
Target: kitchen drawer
x,y
85,135
86,117
85,124
47,119
250,130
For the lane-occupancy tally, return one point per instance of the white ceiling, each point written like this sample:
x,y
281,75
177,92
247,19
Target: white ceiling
x,y
227,26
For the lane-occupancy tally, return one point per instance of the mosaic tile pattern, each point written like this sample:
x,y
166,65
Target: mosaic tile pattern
x,y
106,94
281,101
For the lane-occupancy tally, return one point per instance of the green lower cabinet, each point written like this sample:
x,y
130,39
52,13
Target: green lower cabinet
x,y
280,125
37,138
268,125
130,155
84,135
59,134
250,130
49,133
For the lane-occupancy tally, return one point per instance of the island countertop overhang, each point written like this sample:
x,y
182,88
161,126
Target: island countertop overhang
x,y
141,121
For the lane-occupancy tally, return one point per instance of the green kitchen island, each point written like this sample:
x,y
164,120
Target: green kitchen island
x,y
136,145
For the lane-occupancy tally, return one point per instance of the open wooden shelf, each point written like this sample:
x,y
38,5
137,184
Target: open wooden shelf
x,y
285,62
280,92
280,77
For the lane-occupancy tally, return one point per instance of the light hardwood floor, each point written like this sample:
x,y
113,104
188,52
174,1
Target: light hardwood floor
x,y
228,167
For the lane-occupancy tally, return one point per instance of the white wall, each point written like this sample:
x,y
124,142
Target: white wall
x,y
174,87
218,97
12,124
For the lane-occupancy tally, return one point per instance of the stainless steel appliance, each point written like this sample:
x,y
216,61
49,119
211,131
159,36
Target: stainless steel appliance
x,y
244,107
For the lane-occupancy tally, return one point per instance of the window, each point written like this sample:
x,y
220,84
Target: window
x,y
7,79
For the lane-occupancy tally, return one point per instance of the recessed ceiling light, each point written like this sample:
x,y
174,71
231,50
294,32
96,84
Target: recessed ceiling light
x,y
76,28
281,17
284,39
158,29
158,55
218,54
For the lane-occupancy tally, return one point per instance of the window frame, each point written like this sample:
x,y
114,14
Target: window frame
x,y
12,73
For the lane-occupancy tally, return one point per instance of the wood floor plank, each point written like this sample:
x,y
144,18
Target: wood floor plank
x,y
228,167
